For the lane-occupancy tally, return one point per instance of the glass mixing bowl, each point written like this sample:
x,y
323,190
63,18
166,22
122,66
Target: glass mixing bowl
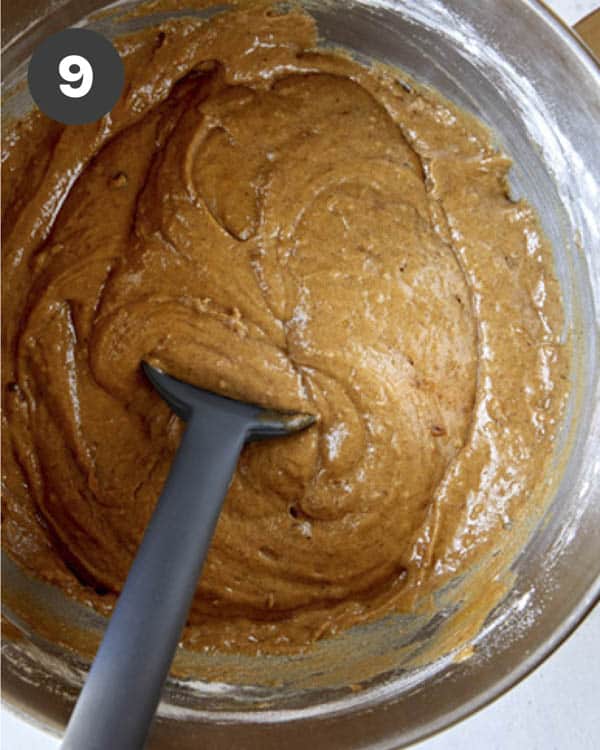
x,y
515,66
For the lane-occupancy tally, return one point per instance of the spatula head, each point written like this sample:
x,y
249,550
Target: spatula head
x,y
186,400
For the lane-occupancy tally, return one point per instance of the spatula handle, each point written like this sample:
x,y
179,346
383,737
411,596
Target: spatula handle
x,y
117,703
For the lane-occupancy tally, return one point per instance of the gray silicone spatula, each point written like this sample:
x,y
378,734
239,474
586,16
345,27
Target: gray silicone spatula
x,y
118,701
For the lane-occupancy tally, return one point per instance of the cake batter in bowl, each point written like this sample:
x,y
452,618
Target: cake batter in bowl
x,y
371,676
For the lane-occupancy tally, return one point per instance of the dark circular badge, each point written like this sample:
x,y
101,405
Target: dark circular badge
x,y
76,76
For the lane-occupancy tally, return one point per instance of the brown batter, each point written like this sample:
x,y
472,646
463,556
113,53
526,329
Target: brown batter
x,y
283,226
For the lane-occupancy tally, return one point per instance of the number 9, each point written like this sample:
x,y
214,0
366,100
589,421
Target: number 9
x,y
83,74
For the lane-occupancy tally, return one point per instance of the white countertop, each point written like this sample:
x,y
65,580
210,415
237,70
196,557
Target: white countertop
x,y
555,708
